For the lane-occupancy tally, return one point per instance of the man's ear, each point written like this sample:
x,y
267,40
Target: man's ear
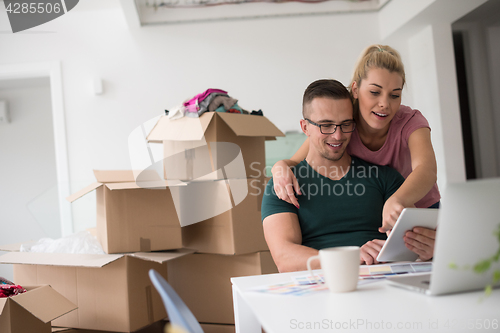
x,y
354,89
303,126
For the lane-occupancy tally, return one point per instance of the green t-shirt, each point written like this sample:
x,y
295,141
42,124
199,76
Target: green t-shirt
x,y
340,212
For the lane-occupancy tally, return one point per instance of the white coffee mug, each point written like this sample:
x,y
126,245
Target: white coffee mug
x,y
340,267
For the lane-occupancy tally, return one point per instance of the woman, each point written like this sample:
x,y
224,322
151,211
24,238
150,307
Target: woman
x,y
387,133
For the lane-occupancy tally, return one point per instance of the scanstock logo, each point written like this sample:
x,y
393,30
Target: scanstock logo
x,y
26,14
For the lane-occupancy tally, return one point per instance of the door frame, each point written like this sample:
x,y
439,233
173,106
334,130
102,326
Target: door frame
x,y
52,70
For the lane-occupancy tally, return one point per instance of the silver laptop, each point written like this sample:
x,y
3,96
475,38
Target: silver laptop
x,y
467,234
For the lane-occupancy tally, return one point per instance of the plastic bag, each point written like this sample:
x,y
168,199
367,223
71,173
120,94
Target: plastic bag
x,y
81,243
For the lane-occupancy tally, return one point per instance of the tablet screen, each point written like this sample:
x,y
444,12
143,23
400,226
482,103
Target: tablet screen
x,y
394,248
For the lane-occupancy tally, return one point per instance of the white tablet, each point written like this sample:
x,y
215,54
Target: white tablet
x,y
394,248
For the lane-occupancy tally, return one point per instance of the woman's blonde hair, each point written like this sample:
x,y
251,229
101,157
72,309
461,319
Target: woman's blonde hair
x,y
376,56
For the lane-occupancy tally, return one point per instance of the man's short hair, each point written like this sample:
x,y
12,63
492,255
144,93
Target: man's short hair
x,y
323,88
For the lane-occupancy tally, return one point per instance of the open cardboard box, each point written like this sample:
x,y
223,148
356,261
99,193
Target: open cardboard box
x,y
214,146
218,328
238,229
113,292
134,216
217,216
203,281
157,327
33,310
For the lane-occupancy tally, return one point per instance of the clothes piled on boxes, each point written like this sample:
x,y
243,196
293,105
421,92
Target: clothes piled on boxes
x,y
210,100
9,289
220,157
212,154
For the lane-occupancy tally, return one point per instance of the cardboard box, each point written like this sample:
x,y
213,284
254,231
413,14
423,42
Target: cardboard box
x,y
157,327
113,292
215,328
214,146
238,230
33,310
203,281
130,217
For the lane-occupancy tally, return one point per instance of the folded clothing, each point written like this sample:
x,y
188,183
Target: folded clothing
x,y
9,290
223,100
200,97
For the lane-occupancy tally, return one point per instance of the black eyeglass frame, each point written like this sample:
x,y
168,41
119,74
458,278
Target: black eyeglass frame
x,y
335,129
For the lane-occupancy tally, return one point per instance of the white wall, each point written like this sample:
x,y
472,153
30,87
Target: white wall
x,y
398,13
28,191
427,98
266,64
493,42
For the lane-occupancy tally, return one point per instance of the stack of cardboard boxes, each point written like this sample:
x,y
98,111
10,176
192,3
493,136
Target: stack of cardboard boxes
x,y
207,209
113,292
222,156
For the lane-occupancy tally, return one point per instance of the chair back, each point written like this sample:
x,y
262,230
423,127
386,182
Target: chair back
x,y
178,313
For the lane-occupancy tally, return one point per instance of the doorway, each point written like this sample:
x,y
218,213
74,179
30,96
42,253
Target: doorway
x,y
33,168
465,112
476,38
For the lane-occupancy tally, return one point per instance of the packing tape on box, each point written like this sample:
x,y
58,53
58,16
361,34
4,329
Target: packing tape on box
x,y
145,244
257,186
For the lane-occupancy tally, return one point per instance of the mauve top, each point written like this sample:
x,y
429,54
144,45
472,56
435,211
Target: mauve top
x,y
395,151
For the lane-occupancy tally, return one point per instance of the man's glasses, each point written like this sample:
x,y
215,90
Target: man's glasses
x,y
346,127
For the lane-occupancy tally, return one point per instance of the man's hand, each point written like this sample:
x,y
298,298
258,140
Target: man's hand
x,y
285,183
369,252
421,241
392,209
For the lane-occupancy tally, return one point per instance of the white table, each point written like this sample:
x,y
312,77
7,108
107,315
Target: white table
x,y
374,307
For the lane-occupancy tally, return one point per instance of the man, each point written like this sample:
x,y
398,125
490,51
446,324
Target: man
x,y
342,196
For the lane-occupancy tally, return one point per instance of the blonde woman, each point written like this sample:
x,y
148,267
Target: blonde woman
x,y
387,133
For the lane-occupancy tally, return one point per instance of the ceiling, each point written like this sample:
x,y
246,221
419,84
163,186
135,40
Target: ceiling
x,y
160,12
